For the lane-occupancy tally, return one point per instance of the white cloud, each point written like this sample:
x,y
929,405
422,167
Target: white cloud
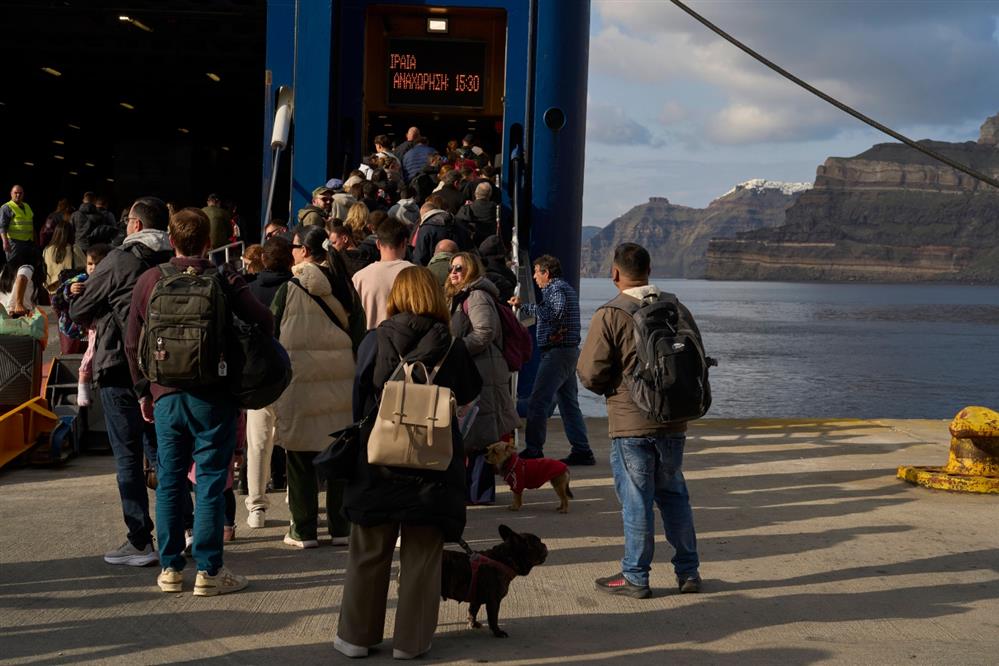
x,y
672,113
889,60
749,123
695,115
609,124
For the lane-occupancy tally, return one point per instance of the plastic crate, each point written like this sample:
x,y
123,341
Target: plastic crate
x,y
20,370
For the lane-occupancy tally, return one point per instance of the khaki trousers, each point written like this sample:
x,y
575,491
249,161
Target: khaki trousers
x,y
365,594
259,447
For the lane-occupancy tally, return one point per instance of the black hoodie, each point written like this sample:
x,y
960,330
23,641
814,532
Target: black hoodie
x,y
266,284
494,254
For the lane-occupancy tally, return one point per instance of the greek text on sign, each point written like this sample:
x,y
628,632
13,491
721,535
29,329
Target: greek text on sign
x,y
435,72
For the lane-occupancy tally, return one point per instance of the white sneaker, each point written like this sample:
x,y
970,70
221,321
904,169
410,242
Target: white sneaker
x,y
128,554
301,543
402,654
349,649
170,580
256,519
223,582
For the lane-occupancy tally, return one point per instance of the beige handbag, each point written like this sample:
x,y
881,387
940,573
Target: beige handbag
x,y
413,425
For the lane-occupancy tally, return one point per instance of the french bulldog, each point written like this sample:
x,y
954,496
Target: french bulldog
x,y
484,578
523,474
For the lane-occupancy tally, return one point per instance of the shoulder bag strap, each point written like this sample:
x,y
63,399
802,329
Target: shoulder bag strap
x,y
322,304
500,339
433,373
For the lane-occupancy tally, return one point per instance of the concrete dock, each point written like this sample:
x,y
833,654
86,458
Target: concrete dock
x,y
812,552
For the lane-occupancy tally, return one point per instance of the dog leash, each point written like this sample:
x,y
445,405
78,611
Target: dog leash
x,y
465,547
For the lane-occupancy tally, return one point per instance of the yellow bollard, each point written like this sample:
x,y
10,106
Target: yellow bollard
x,y
973,465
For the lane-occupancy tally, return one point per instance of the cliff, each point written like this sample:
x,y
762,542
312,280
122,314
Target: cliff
x,y
677,236
888,214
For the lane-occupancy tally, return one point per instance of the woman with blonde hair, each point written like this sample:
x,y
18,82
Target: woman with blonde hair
x,y
476,321
357,222
426,507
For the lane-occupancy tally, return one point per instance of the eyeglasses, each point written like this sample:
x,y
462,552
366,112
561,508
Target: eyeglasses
x,y
132,219
456,269
296,246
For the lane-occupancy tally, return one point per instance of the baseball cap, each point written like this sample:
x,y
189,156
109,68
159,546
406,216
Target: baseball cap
x,y
334,184
322,189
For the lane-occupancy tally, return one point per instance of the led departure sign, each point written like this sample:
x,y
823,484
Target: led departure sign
x,y
436,72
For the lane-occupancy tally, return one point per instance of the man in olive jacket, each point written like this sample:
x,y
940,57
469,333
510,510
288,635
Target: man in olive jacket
x,y
646,456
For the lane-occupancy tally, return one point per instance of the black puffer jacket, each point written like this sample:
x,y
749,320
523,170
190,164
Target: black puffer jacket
x,y
480,217
93,226
380,495
437,225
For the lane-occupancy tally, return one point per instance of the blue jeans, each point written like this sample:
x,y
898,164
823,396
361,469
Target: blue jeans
x,y
556,383
130,437
189,428
648,470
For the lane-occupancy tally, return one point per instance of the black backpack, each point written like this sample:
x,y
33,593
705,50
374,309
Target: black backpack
x,y
260,369
183,342
670,378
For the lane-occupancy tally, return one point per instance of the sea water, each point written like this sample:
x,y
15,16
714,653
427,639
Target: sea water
x,y
790,350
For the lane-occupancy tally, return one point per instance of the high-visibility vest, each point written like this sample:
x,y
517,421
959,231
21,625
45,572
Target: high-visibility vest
x,y
22,227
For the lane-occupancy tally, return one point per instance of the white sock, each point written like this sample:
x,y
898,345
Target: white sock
x,y
83,394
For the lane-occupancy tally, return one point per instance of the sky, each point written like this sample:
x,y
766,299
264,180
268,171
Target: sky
x,y
676,111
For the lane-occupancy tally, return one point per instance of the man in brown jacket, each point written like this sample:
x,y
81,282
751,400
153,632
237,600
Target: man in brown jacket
x,y
646,456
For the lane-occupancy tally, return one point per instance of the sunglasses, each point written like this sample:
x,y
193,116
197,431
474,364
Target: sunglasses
x,y
296,246
456,269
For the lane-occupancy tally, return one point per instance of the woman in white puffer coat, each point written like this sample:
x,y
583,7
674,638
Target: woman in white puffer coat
x,y
318,400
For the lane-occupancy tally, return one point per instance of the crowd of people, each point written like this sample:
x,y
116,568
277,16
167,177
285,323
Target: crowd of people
x,y
407,259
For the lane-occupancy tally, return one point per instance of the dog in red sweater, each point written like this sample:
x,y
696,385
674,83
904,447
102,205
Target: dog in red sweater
x,y
522,474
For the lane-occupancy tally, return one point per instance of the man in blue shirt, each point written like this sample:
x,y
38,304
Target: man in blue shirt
x,y
416,158
558,341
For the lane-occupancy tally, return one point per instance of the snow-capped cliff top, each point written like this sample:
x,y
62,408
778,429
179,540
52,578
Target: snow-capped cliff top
x,y
760,184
